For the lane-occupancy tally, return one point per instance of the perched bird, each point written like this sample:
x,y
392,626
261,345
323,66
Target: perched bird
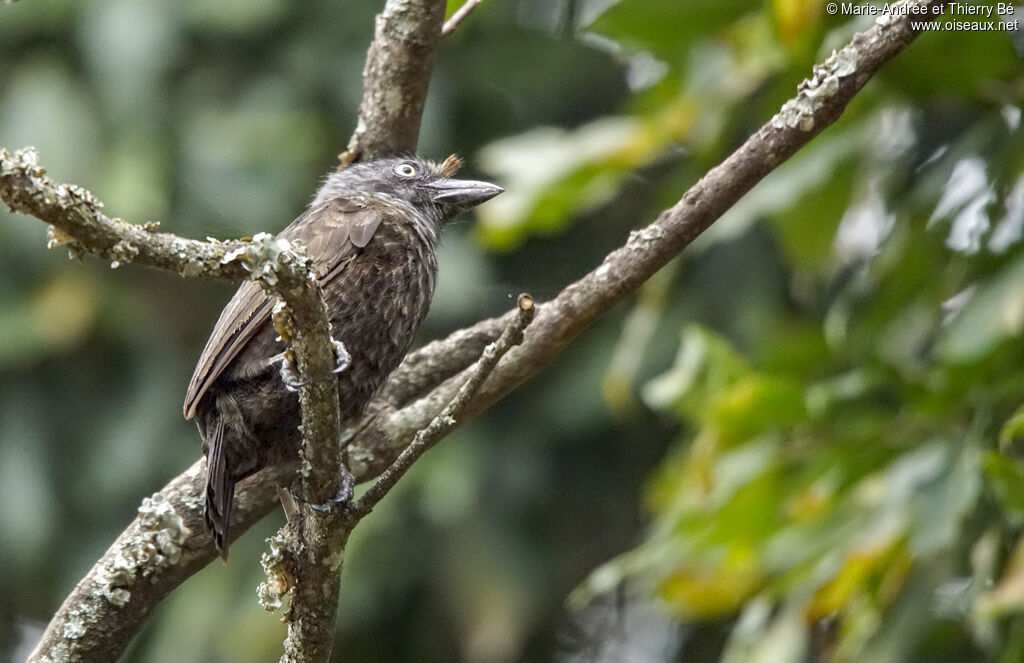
x,y
372,230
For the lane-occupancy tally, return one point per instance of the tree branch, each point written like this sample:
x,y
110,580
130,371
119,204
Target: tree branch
x,y
318,561
163,547
155,539
460,15
77,221
395,79
819,102
429,378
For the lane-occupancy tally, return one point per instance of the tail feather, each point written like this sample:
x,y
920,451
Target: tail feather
x,y
220,489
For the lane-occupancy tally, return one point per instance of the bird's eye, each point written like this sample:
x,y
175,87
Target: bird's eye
x,y
405,170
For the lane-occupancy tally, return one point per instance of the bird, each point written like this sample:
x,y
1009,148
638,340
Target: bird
x,y
372,231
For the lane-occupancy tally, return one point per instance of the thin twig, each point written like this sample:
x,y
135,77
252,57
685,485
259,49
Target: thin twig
x,y
444,422
456,18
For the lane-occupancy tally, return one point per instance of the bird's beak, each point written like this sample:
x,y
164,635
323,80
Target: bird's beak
x,y
460,195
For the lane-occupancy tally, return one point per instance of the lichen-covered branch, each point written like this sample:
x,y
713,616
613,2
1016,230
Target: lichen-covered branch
x,y
429,378
312,547
163,547
77,220
395,79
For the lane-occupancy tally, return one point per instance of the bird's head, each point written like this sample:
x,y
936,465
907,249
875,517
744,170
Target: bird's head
x,y
427,186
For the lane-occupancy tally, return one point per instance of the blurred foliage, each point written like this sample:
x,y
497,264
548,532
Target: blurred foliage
x,y
802,441
851,459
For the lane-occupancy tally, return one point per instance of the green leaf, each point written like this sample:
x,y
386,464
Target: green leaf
x,y
705,364
666,28
1006,478
993,315
1012,430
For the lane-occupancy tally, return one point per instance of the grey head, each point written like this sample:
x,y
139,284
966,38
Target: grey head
x,y
412,182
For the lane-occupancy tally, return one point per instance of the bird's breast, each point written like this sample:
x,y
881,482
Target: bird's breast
x,y
376,305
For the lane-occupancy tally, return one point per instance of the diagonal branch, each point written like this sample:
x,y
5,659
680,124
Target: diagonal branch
x,y
819,102
429,378
162,548
458,17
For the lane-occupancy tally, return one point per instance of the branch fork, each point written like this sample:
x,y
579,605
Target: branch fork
x,y
311,547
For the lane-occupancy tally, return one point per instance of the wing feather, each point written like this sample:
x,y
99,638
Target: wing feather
x,y
342,227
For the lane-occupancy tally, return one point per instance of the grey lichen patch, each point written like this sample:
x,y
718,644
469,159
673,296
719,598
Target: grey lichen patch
x,y
23,179
279,581
74,627
179,248
68,196
846,61
359,460
193,501
394,101
305,467
196,263
334,561
30,185
118,596
261,257
165,533
114,578
156,545
122,252
813,93
192,268
24,162
404,18
641,240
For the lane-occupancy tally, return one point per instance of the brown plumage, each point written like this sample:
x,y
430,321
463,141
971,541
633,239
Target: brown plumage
x,y
372,230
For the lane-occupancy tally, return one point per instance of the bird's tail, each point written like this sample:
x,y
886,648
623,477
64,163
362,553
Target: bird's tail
x,y
220,489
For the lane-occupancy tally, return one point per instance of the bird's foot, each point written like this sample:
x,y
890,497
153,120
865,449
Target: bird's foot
x,y
341,501
336,504
289,370
342,359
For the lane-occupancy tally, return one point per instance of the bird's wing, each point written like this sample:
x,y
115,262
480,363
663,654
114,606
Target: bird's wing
x,y
332,233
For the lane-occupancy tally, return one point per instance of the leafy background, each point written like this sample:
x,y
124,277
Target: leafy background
x,y
801,441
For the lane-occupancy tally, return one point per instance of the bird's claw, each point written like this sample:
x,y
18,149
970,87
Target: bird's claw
x,y
336,504
290,372
341,355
